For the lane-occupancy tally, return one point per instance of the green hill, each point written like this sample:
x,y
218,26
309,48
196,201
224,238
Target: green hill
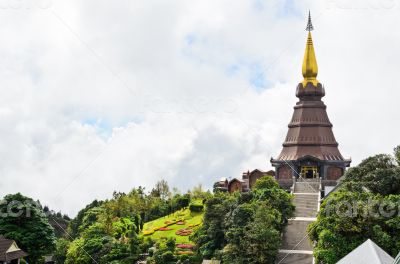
x,y
179,225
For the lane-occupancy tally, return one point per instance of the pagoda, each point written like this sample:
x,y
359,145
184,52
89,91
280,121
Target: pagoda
x,y
310,150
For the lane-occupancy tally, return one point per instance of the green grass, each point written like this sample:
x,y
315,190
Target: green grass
x,y
190,219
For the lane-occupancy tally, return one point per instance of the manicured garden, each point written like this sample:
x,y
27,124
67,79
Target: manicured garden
x,y
179,225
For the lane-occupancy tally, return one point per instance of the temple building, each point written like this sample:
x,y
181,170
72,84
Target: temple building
x,y
243,184
310,150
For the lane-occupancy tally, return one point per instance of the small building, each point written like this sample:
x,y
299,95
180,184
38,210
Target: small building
x,y
10,253
367,253
241,185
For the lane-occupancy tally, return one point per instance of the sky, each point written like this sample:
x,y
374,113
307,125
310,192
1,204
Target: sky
x,y
97,97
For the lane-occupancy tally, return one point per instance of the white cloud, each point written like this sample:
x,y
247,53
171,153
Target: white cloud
x,y
97,97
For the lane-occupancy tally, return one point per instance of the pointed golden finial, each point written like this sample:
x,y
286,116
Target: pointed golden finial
x,y
310,67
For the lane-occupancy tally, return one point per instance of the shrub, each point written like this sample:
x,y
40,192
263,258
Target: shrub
x,y
196,207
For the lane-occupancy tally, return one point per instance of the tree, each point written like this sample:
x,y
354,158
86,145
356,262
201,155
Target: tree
x,y
164,253
267,189
60,253
210,238
253,235
237,227
73,227
347,219
24,221
263,237
161,190
378,174
97,245
182,201
365,206
397,154
235,224
58,221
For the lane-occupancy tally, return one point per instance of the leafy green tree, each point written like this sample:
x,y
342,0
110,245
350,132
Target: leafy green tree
x,y
347,219
267,189
170,244
23,220
263,236
60,253
180,201
76,253
90,217
97,245
378,174
397,154
164,253
161,190
58,221
196,207
253,234
73,227
364,207
210,238
236,226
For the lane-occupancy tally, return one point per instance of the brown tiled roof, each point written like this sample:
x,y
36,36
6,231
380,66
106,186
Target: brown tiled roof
x,y
310,131
14,255
5,244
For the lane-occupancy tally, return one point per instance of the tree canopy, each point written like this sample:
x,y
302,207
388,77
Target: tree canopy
x,y
365,206
23,220
245,227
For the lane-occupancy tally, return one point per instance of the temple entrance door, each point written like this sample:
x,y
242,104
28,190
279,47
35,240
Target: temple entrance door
x,y
309,172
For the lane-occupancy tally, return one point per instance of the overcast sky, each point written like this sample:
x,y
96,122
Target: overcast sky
x,y
97,96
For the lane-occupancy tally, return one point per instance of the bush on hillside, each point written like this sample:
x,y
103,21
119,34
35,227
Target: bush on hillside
x,y
196,207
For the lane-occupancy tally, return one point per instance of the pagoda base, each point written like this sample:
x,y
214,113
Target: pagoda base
x,y
327,171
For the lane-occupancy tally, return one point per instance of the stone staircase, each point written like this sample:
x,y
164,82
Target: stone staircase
x,y
306,186
296,247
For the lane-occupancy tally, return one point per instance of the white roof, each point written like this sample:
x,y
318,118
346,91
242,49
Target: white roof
x,y
367,253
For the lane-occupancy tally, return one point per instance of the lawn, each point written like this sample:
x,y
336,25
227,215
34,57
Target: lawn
x,y
190,221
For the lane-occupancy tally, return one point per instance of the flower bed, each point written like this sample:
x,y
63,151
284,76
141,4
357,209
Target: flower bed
x,y
194,225
185,246
180,223
148,232
184,253
164,229
184,232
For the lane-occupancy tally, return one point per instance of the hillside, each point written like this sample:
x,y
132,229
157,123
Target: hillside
x,y
179,225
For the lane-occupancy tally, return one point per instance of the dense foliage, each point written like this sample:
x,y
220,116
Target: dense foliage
x,y
245,227
24,221
58,221
365,206
110,231
196,207
238,228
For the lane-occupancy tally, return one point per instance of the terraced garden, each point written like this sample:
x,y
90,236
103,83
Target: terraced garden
x,y
179,225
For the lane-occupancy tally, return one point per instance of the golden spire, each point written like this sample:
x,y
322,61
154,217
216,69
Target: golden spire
x,y
310,67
